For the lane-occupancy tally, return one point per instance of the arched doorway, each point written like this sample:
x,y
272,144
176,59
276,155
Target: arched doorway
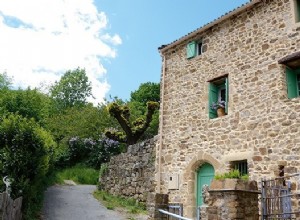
x,y
205,174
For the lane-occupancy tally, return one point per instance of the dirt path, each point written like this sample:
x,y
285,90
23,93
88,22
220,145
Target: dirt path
x,y
75,203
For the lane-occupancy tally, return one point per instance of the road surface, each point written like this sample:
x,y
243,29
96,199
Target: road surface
x,y
65,202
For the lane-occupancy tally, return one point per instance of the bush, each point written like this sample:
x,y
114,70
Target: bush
x,y
88,151
26,154
233,174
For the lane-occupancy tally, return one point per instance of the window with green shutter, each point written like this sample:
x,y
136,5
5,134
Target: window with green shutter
x,y
218,93
191,49
293,82
194,48
297,10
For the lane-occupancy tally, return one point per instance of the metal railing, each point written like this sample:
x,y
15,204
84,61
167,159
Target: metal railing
x,y
277,196
173,215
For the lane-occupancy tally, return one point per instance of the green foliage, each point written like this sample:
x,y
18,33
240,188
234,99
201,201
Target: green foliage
x,y
5,81
26,152
103,169
233,174
80,174
84,122
133,130
146,92
27,103
88,151
73,89
112,202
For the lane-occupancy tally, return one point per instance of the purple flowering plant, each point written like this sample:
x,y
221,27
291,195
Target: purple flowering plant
x,y
218,104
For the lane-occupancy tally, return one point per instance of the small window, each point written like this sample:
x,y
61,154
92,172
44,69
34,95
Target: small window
x,y
241,166
293,82
194,48
218,93
297,10
199,48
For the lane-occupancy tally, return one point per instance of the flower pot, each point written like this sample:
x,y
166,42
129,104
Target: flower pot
x,y
221,112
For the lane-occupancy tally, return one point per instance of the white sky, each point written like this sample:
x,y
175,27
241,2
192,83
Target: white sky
x,y
42,39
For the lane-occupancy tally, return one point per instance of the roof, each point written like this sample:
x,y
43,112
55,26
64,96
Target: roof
x,y
229,14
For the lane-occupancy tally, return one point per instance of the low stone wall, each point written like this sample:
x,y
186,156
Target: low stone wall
x,y
131,174
10,209
231,199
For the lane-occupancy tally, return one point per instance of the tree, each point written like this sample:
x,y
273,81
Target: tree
x,y
146,92
26,154
85,122
28,103
73,89
5,81
132,131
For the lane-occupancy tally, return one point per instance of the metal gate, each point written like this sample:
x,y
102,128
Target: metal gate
x,y
278,200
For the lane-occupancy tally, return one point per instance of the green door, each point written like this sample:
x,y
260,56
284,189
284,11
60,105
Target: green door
x,y
205,174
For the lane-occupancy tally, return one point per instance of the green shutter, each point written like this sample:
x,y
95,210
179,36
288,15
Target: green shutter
x,y
213,97
291,81
297,10
227,94
191,50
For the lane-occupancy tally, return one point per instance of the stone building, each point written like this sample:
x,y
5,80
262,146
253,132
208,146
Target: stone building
x,y
249,59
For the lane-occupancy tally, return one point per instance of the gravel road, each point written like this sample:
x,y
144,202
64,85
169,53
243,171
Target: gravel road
x,y
75,203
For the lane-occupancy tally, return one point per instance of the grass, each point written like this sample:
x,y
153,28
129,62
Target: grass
x,y
112,202
79,174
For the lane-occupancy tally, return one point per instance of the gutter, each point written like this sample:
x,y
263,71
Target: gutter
x,y
209,25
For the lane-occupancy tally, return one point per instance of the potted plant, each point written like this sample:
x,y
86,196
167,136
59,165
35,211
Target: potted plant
x,y
219,106
232,180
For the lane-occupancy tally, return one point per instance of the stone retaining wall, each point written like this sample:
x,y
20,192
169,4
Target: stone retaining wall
x,y
131,174
10,209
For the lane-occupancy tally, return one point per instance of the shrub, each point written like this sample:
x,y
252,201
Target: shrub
x,y
233,174
91,152
26,153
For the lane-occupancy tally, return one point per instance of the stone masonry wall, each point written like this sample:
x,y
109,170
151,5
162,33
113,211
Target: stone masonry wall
x,y
262,125
131,174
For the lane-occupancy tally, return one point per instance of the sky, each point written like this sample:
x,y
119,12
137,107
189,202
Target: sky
x,y
116,41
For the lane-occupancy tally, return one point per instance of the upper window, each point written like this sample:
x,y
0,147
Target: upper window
x,y
292,63
297,10
218,97
293,82
194,48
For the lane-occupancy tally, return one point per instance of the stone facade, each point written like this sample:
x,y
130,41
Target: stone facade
x,y
262,125
131,174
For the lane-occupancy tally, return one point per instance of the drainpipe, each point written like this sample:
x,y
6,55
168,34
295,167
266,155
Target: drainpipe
x,y
162,86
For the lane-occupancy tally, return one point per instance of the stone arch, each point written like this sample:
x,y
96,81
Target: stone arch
x,y
190,176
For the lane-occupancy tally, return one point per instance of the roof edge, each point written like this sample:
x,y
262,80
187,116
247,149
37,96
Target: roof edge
x,y
244,7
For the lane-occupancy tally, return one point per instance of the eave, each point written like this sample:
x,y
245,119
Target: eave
x,y
202,29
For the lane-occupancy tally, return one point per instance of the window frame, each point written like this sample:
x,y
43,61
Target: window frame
x,y
296,10
241,166
194,48
293,82
214,94
199,46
